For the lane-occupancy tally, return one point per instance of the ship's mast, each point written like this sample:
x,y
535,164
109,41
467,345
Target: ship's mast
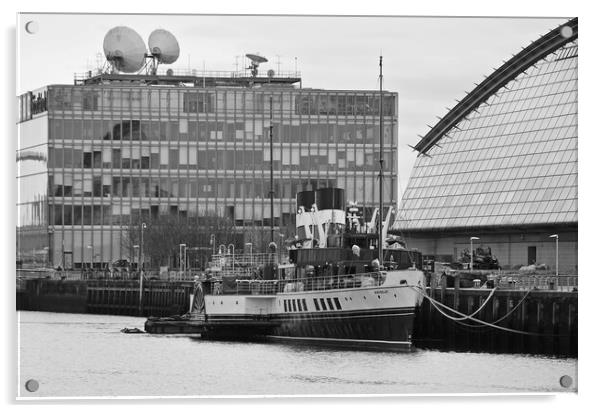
x,y
380,173
271,175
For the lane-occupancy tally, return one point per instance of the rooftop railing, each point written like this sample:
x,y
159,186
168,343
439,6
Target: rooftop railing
x,y
199,73
225,73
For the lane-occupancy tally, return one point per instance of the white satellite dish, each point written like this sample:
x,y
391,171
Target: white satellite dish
x,y
163,46
124,49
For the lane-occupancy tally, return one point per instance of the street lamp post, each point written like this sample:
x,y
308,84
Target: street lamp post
x,y
556,236
137,256
250,245
140,298
471,253
142,228
183,259
231,245
91,256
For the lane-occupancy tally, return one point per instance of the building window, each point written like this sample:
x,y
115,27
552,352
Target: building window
x,y
198,103
90,101
87,160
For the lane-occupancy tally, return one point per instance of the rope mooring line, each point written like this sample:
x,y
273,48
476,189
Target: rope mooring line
x,y
466,317
505,315
486,324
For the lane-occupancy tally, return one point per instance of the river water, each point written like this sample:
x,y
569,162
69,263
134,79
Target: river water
x,y
83,355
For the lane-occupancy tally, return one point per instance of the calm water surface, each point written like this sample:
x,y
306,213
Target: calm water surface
x,y
87,355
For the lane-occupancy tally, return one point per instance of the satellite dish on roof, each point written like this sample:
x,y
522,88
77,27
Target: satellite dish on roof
x,y
124,49
256,59
163,46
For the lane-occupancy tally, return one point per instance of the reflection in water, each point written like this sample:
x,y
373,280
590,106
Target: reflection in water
x,y
87,355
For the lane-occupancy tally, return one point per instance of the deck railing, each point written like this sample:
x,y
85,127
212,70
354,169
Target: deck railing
x,y
269,287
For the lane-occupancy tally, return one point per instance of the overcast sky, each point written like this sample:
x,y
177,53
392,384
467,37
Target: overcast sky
x,y
430,62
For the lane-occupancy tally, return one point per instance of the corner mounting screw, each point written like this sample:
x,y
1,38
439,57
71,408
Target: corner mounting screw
x,y
32,385
566,381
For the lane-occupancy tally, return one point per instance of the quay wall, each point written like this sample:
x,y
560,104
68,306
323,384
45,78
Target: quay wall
x,y
115,297
548,318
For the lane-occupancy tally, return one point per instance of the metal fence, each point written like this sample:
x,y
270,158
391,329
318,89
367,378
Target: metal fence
x,y
539,282
122,275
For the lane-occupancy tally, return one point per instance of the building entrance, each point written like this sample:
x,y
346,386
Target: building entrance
x,y
531,255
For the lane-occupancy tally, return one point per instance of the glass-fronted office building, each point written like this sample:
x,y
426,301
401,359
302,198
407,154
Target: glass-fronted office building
x,y
502,165
97,156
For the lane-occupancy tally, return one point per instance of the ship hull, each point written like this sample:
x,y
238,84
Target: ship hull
x,y
387,329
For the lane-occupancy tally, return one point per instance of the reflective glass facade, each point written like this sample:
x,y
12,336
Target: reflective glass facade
x,y
119,153
33,231
511,162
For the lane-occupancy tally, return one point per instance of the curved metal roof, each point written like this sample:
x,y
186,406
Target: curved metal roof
x,y
537,50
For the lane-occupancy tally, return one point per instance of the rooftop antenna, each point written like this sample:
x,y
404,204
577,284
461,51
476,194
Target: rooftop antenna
x,y
256,60
164,48
99,61
126,52
278,63
124,49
